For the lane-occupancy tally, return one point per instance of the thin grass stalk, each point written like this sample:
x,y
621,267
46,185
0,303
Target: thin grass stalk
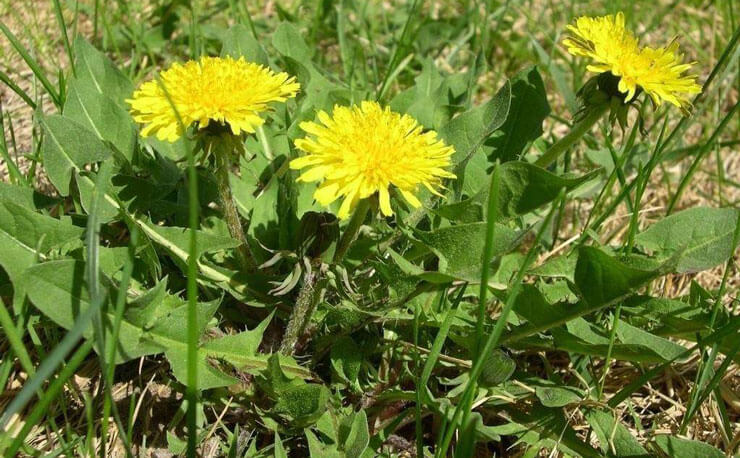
x,y
607,360
5,79
97,294
627,153
700,155
491,218
111,344
579,130
15,340
561,209
707,362
719,373
65,38
397,50
54,390
108,35
33,65
52,360
436,350
418,431
192,293
635,214
643,175
14,173
191,390
493,339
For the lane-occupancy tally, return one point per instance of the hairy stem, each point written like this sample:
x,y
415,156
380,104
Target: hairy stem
x,y
578,131
305,304
310,293
223,165
353,227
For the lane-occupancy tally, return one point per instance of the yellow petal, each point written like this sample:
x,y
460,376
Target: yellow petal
x,y
410,198
385,202
313,174
326,194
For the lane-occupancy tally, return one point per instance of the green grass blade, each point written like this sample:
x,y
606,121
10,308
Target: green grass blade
x,y
50,363
421,386
15,340
417,408
98,294
54,390
607,360
63,29
707,366
440,339
700,155
717,336
398,51
15,88
491,218
31,62
719,374
493,338
111,344
642,176
14,173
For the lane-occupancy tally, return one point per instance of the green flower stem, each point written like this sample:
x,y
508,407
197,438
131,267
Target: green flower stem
x,y
578,131
223,165
310,293
352,229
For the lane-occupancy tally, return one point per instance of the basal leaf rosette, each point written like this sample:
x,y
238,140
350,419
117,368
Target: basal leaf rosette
x,y
359,151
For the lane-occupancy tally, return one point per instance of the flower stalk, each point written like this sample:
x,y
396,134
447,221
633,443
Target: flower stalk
x,y
579,130
308,298
353,227
220,148
310,293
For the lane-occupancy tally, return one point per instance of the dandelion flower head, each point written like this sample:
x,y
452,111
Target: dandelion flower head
x,y
361,150
212,89
660,72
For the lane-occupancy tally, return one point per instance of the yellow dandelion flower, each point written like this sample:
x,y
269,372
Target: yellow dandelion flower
x,y
213,89
361,150
612,48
